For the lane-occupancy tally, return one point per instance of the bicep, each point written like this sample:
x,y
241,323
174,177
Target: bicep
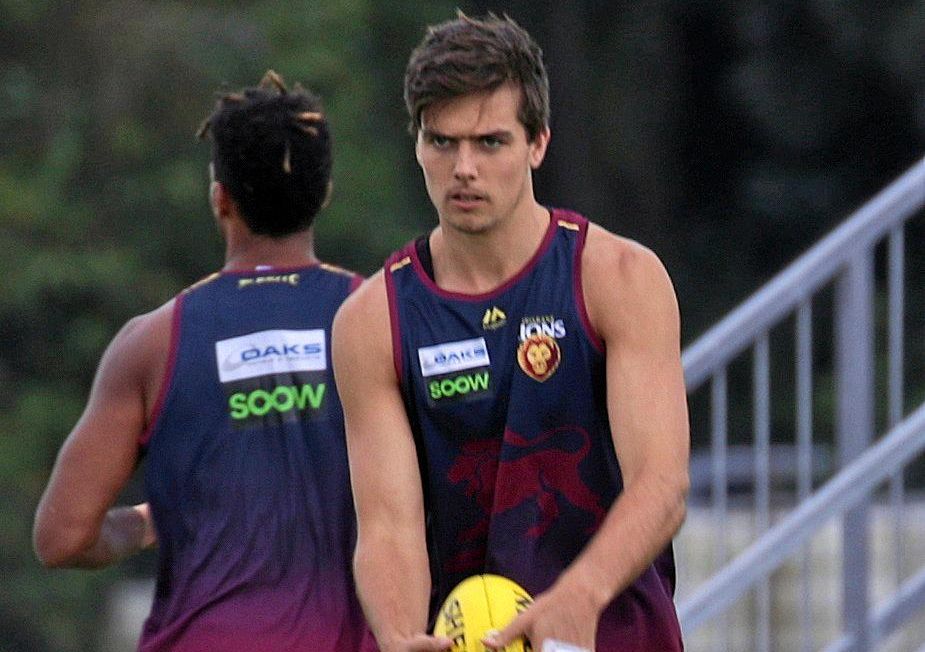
x,y
383,465
381,450
647,407
645,382
99,455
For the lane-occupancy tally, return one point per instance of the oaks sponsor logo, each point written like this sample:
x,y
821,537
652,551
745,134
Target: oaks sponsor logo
x,y
451,357
271,352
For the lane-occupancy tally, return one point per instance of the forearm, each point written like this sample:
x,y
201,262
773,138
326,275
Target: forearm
x,y
638,527
124,531
393,583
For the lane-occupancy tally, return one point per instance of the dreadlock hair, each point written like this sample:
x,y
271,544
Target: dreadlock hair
x,y
271,149
469,55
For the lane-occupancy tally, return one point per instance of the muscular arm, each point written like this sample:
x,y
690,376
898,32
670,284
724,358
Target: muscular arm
x,y
390,564
76,524
632,306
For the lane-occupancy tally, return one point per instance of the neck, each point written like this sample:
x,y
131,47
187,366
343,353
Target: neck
x,y
476,263
245,251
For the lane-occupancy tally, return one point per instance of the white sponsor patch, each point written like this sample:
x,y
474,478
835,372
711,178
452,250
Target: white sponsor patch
x,y
453,356
271,352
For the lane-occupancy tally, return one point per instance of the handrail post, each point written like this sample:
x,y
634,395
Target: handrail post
x,y
854,336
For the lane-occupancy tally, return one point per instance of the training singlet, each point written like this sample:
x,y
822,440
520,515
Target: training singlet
x,y
246,471
506,394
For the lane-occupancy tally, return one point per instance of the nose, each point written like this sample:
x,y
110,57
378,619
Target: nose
x,y
465,167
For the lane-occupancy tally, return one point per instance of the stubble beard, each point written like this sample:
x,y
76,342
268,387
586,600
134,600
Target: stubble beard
x,y
472,223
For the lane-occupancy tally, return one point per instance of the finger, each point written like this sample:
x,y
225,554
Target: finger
x,y
149,537
490,639
516,629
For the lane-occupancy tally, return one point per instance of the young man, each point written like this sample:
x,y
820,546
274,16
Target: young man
x,y
521,407
227,391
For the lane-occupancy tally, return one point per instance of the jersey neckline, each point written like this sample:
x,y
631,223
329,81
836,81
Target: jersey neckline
x,y
268,269
501,289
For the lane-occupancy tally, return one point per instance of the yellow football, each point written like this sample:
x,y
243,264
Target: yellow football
x,y
478,604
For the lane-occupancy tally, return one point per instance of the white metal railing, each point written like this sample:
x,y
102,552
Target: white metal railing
x,y
844,260
850,486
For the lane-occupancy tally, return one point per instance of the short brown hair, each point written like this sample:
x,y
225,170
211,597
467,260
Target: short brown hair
x,y
469,55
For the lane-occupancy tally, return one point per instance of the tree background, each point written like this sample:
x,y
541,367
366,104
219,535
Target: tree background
x,y
726,135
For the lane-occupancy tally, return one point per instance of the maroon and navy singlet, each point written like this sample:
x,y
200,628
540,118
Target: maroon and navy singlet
x,y
506,394
246,472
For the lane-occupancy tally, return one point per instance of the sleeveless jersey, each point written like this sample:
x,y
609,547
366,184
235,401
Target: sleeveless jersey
x,y
246,471
506,395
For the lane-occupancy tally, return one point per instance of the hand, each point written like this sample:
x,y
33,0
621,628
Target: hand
x,y
125,531
558,614
419,643
149,536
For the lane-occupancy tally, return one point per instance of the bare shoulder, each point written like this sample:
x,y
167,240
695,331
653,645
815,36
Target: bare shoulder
x,y
148,333
361,327
137,357
615,256
366,310
147,328
624,282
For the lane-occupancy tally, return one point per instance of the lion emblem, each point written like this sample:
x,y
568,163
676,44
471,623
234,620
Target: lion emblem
x,y
539,356
542,472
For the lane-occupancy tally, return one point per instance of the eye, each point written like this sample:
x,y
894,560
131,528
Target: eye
x,y
438,141
491,142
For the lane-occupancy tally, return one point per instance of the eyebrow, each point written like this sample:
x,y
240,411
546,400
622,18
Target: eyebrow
x,y
501,134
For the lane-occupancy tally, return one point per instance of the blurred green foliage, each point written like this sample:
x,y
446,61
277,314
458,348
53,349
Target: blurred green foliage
x,y
727,135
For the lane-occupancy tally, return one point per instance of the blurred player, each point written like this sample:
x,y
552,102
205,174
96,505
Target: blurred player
x,y
521,408
228,394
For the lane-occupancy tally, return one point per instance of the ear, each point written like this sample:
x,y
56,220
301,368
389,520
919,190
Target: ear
x,y
538,148
327,194
417,150
219,200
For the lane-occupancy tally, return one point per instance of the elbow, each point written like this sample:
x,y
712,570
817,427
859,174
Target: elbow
x,y
671,495
57,548
679,516
47,552
679,501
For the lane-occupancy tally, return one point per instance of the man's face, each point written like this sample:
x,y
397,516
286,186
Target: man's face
x,y
476,159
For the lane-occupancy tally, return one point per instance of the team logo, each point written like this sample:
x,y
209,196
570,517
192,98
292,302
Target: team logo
x,y
494,318
540,475
543,325
539,356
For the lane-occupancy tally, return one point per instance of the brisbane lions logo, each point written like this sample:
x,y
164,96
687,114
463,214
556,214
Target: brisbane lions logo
x,y
539,356
541,472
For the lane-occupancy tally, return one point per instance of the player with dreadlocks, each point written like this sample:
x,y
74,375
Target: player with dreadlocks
x,y
227,392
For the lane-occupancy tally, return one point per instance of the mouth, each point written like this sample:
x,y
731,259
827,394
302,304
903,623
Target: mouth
x,y
465,199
